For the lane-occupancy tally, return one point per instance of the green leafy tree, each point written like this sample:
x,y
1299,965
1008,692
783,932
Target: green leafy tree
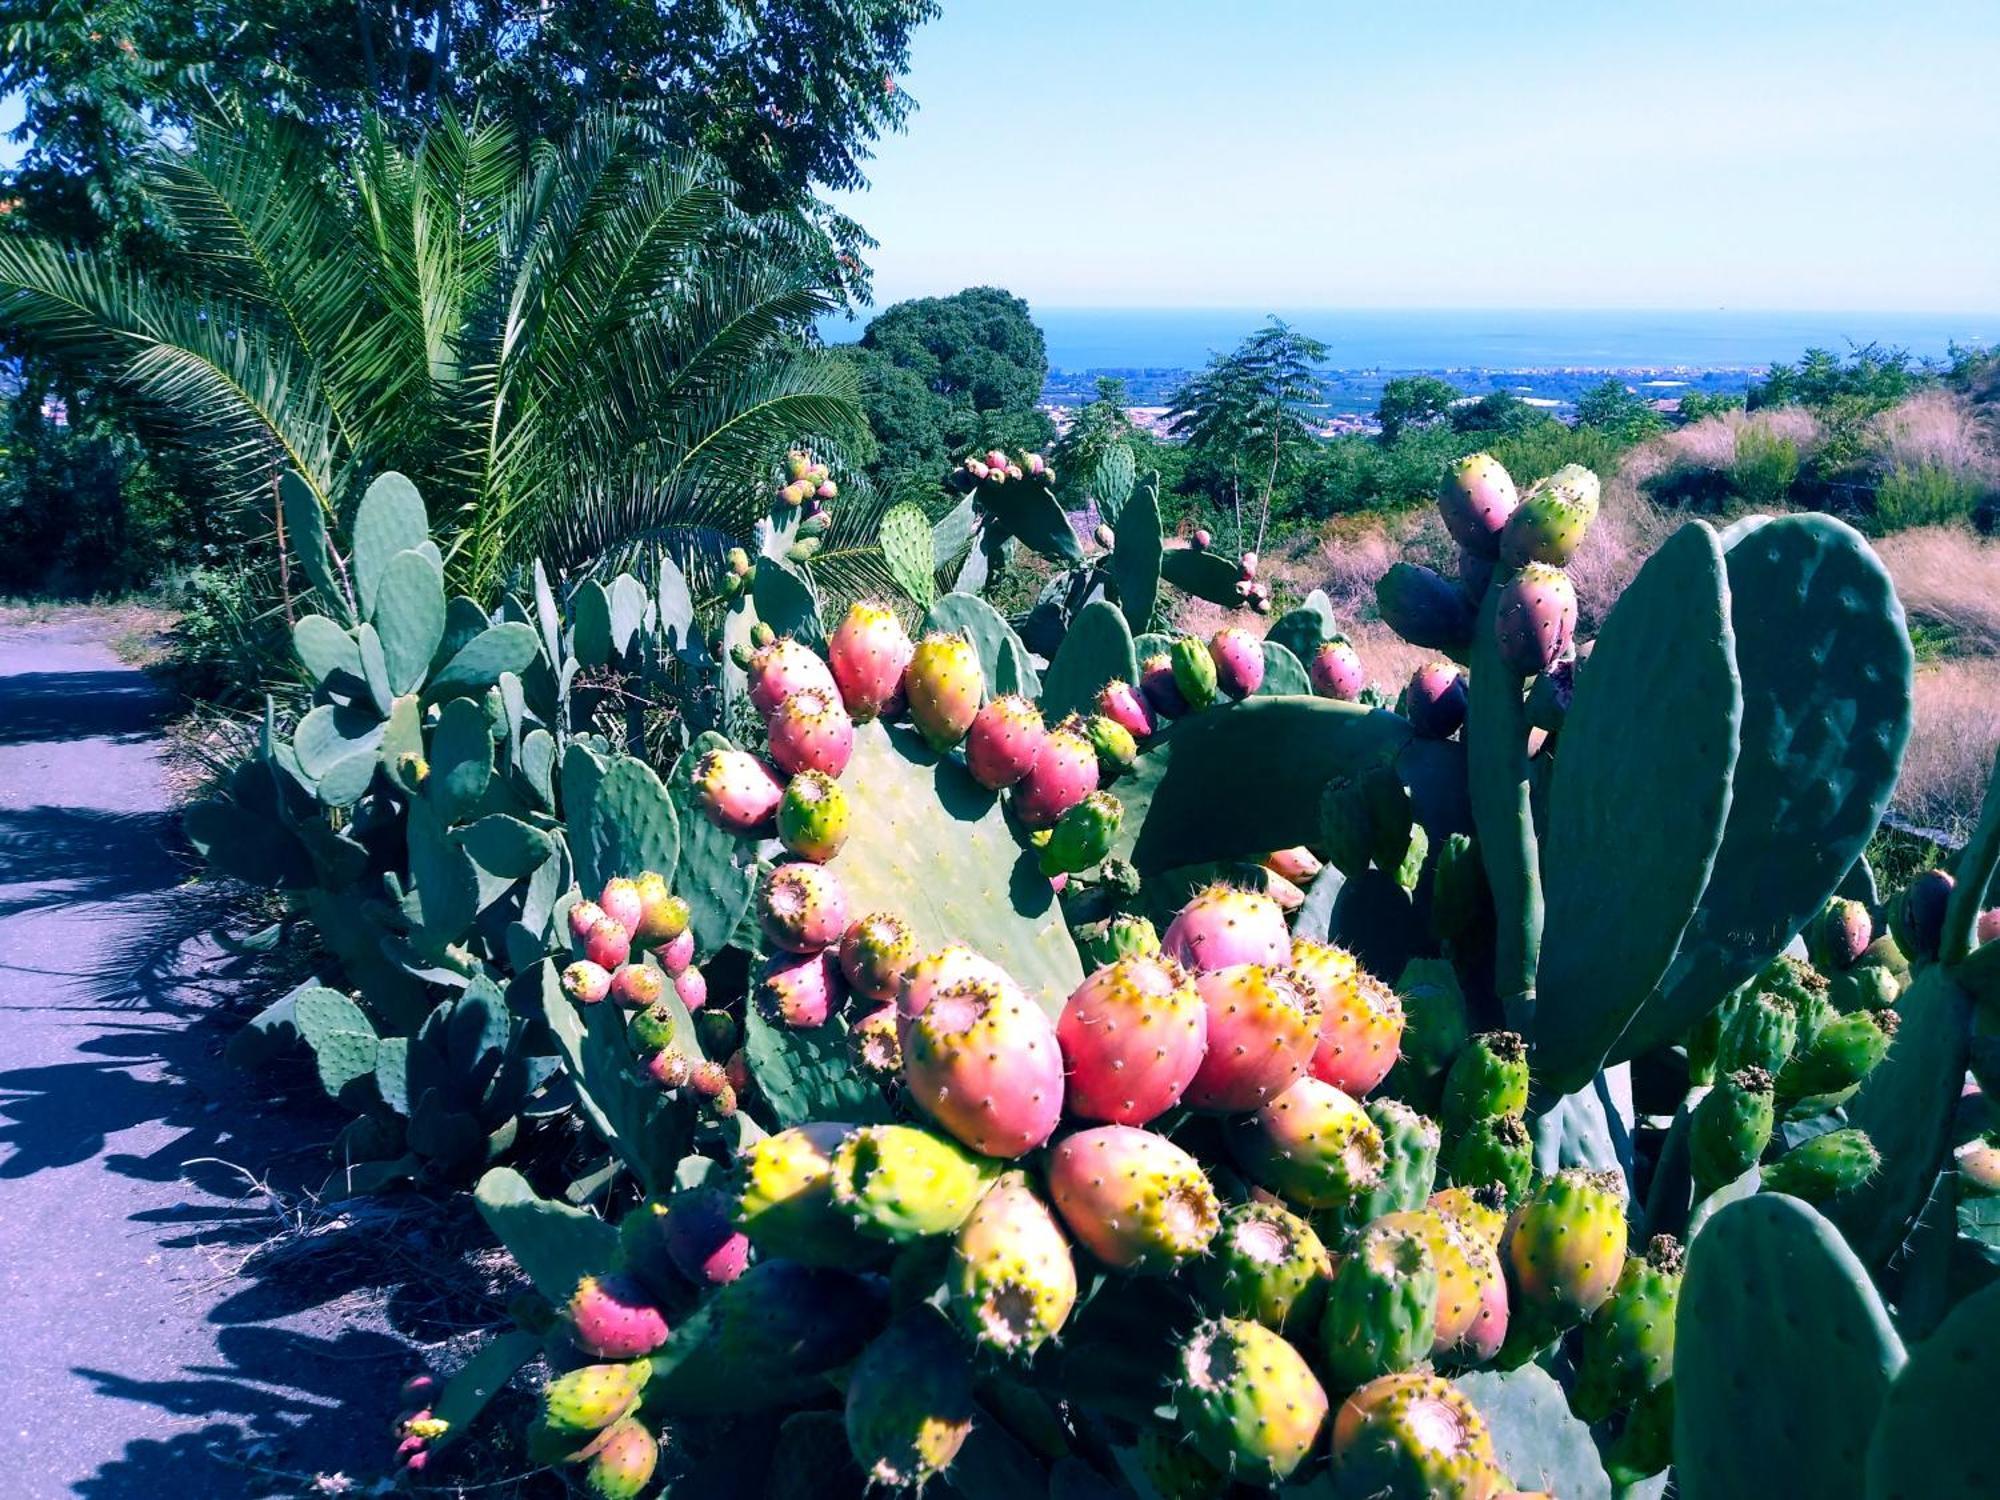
x,y
571,348
1249,416
1413,401
1696,405
1495,412
1099,425
1612,407
1870,376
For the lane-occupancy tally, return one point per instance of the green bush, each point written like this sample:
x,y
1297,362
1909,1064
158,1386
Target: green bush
x,y
1925,495
1766,467
1541,449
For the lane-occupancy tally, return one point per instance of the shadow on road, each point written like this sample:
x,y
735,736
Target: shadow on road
x,y
39,707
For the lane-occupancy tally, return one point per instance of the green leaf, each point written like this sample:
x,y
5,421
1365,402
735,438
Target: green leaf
x,y
461,760
1206,575
478,664
1002,658
323,648
809,1074
785,601
305,535
1097,648
409,616
628,612
442,877
1028,509
479,1380
1304,630
390,519
716,874
506,846
1284,674
628,827
1539,1444
1929,1442
375,669
556,1245
908,549
343,783
590,631
332,732
1136,552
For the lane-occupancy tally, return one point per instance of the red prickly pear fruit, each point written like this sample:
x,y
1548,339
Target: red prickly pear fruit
x,y
1361,1020
1132,1038
663,916
1297,864
1012,1281
1201,540
1536,620
692,988
583,916
1842,934
909,1402
995,459
1063,775
876,1044
1565,1246
622,903
1224,925
1156,683
668,1068
1987,928
1311,1144
930,976
944,684
1125,706
1263,1023
814,819
678,953
418,1389
613,1317
623,1465
1336,672
737,791
702,1239
1434,702
868,653
1136,1200
1266,1263
1414,1434
799,990
636,986
1248,1401
607,944
810,731
591,1398
585,982
1477,497
785,667
983,1062
1239,661
875,952
802,907
1004,742
1288,896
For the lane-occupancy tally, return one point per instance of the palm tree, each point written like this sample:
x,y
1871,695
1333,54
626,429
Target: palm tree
x,y
575,348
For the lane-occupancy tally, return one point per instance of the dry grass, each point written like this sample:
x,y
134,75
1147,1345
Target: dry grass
x,y
1951,746
1939,429
1948,579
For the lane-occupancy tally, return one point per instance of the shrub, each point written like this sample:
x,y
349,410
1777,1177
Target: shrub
x,y
1925,494
1766,466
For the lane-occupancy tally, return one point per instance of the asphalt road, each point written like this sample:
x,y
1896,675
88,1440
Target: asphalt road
x,y
143,1359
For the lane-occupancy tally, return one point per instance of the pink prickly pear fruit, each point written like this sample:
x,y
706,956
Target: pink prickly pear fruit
x,y
875,952
827,490
1361,1020
737,791
585,982
1262,1025
698,1233
1225,925
1415,1434
607,944
814,818
1336,672
1004,742
1841,935
418,1389
1434,702
1125,706
943,683
1136,1200
623,903
876,1044
1311,1144
935,973
1298,864
995,459
1987,928
1288,896
1012,1281
612,1317
983,1062
1475,501
663,916
1246,567
1156,682
785,667
1105,537
799,990
810,731
802,907
636,986
1248,1401
1239,661
868,653
1132,1037
1565,1246
1201,540
1063,775
678,953
583,916
668,1068
1536,620
622,1464
692,988
1033,463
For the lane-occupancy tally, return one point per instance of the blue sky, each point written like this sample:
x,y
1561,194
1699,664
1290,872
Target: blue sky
x,y
1512,153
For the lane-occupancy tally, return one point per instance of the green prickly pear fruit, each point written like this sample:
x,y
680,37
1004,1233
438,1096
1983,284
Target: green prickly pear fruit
x,y
1826,1073
762,635
1645,1444
1194,672
1012,1280
1627,1347
1840,934
1566,1246
1123,936
785,1203
1083,835
1549,523
909,1402
1410,1144
1115,745
1413,1435
1482,1210
1471,1311
1435,1029
1825,1167
1175,1470
1495,1151
652,1029
1265,1263
1381,1307
1311,1143
591,1398
1248,1401
663,916
900,1183
623,1466
1730,1128
1760,1031
813,817
1488,1078
1865,986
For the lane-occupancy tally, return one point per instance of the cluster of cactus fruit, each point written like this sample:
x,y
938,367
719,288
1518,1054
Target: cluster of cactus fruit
x,y
1153,1066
